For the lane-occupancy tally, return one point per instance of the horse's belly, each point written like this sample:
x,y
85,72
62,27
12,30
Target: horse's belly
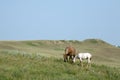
x,y
84,58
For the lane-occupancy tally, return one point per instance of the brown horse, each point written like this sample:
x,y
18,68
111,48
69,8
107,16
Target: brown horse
x,y
70,53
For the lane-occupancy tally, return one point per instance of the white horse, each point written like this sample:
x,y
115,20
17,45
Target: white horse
x,y
82,56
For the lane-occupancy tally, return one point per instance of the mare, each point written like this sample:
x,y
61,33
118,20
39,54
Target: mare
x,y
70,53
83,56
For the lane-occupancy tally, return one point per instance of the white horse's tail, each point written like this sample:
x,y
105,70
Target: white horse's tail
x,y
90,58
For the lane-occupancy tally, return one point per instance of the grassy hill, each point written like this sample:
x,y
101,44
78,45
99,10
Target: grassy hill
x,y
102,52
42,60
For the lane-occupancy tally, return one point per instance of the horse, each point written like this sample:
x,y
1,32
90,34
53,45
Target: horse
x,y
83,56
70,53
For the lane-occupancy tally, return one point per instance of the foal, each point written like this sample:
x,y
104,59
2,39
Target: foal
x,y
82,56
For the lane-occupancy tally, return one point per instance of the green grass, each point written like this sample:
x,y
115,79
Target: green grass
x,y
33,67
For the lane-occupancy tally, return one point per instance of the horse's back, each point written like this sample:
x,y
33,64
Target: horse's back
x,y
70,50
84,55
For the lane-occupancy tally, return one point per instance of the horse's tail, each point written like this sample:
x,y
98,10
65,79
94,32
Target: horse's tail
x,y
90,58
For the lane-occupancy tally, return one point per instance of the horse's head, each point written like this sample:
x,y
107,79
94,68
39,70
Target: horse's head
x,y
65,57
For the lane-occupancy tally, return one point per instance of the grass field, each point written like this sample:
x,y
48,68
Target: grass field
x,y
42,60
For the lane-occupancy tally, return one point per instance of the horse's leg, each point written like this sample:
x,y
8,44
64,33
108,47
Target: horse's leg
x,y
67,58
71,58
88,63
81,62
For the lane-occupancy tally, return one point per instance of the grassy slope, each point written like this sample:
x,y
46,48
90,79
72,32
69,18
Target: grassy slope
x,y
102,52
26,57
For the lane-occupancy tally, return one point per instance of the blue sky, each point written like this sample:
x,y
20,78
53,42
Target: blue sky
x,y
60,20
